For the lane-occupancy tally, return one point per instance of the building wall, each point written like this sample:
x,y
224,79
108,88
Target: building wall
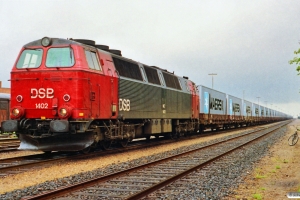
x,y
4,90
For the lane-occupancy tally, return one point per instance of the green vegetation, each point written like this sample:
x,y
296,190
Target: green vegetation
x,y
263,188
296,60
258,176
259,173
257,196
278,167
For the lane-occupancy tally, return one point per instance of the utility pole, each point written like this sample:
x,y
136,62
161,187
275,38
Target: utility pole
x,y
212,79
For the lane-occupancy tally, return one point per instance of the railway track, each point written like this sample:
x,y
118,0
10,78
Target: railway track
x,y
144,180
20,164
9,144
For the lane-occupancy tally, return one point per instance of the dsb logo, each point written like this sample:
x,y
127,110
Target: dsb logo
x,y
42,93
124,105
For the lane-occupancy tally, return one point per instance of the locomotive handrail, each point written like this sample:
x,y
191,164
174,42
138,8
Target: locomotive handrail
x,y
17,79
70,78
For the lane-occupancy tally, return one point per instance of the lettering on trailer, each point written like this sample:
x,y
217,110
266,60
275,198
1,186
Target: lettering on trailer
x,y
233,107
216,104
41,93
256,111
124,105
248,109
236,107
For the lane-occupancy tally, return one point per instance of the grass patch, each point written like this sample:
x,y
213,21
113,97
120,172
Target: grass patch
x,y
285,161
273,171
258,176
278,167
263,188
257,196
259,173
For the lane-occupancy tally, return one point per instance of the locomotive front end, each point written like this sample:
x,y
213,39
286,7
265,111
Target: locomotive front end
x,y
47,106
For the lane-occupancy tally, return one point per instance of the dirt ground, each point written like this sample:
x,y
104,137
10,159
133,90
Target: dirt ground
x,y
276,174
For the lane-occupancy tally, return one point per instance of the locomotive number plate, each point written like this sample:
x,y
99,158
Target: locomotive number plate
x,y
41,105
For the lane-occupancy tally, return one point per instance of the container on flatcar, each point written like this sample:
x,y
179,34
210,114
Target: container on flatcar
x,y
212,101
213,105
267,112
255,110
262,112
272,113
234,106
247,109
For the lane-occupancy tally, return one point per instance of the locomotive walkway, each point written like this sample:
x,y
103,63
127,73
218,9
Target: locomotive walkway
x,y
149,179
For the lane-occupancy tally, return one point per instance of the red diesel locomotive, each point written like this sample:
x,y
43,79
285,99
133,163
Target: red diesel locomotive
x,y
70,95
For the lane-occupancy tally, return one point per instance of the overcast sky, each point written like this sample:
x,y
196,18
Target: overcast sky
x,y
246,43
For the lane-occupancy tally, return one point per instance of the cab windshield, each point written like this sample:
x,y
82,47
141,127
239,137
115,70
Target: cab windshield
x,y
60,57
30,58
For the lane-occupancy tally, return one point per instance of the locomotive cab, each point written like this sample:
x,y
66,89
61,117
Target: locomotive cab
x,y
57,92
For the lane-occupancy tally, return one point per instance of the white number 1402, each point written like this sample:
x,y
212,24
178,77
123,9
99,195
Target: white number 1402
x,y
41,105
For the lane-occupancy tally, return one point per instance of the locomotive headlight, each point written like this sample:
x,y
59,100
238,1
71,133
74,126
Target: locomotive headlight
x,y
46,41
63,112
17,112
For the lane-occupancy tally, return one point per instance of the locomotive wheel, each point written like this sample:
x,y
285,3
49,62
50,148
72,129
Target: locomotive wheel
x,y
124,142
105,145
86,150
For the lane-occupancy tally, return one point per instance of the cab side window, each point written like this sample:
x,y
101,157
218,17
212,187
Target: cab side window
x,y
92,60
